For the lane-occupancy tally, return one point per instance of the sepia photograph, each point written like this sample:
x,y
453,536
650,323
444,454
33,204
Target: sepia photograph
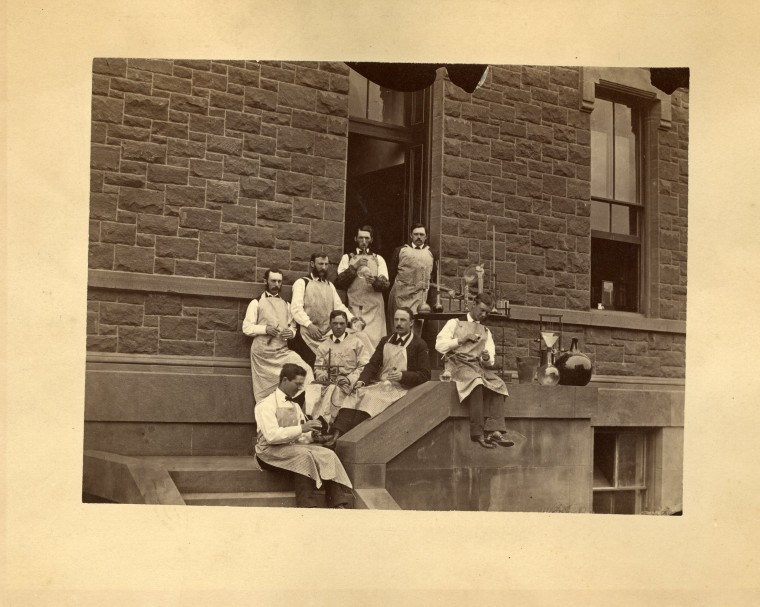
x,y
387,286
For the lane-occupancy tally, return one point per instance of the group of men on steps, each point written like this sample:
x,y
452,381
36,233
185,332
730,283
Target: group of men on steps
x,y
358,370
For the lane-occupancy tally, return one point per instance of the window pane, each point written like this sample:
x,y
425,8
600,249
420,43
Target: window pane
x,y
600,216
386,105
616,262
628,459
604,460
625,154
601,149
624,502
357,95
623,220
602,502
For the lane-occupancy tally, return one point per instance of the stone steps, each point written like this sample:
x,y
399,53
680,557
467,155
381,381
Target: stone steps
x,y
280,499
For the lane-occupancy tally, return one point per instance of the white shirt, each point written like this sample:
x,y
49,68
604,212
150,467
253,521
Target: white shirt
x,y
446,341
250,326
382,268
266,420
296,302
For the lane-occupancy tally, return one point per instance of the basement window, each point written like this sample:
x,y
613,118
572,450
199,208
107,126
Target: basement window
x,y
619,471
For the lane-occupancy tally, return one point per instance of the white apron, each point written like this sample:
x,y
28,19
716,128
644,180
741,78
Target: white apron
x,y
317,303
361,295
307,459
464,364
378,397
345,360
269,353
415,267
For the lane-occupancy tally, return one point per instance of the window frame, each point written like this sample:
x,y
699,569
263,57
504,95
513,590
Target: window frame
x,y
643,468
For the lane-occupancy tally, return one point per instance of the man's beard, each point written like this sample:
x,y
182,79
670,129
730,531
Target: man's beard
x,y
320,273
274,290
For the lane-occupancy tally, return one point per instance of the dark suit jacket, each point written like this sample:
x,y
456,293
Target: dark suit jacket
x,y
417,363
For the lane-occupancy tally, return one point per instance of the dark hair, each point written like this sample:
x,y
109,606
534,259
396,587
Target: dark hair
x,y
406,309
290,371
319,255
271,271
418,225
484,298
335,313
366,228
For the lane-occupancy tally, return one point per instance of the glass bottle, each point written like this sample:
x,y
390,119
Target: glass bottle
x,y
547,374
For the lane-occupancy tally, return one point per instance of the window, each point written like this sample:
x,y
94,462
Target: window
x,y
616,203
619,471
388,164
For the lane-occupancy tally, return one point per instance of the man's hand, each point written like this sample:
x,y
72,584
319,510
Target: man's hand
x,y
287,333
272,330
485,356
360,263
313,331
312,424
472,337
394,376
343,381
321,375
359,384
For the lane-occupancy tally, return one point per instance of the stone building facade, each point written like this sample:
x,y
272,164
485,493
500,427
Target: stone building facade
x,y
206,173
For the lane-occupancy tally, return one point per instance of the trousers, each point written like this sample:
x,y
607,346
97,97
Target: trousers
x,y
306,488
487,411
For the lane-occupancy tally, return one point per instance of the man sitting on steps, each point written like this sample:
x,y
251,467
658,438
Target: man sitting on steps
x,y
284,442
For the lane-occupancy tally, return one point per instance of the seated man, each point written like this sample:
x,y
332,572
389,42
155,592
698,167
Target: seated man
x,y
340,360
284,442
400,362
469,349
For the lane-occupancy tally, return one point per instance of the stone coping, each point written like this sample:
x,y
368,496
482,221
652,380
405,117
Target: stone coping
x,y
187,285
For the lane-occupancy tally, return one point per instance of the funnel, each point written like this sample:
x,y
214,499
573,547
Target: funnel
x,y
549,338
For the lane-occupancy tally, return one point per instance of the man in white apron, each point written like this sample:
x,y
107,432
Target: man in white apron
x,y
269,321
469,350
413,270
400,362
284,442
340,360
313,298
364,276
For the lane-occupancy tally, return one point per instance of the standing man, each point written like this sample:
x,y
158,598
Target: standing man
x,y
399,363
413,269
269,321
284,442
364,276
314,297
340,360
470,351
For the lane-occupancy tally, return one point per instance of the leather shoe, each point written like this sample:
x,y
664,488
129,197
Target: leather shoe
x,y
482,442
496,438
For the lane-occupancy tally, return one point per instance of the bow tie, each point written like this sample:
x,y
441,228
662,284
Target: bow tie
x,y
287,398
396,339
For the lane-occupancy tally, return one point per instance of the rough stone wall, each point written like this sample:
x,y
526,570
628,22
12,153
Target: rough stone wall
x,y
165,323
623,352
673,201
216,169
517,157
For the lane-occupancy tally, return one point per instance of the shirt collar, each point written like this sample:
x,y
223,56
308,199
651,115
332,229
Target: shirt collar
x,y
401,341
316,278
359,251
281,396
414,246
337,340
471,319
268,294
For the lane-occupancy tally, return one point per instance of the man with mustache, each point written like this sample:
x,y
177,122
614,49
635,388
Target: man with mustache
x,y
399,363
313,298
470,351
364,276
269,321
412,269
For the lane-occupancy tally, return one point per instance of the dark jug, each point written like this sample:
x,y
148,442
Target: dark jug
x,y
574,366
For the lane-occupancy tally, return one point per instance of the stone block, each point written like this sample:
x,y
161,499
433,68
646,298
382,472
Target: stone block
x,y
331,147
167,174
476,151
328,189
101,343
143,151
154,108
186,149
103,206
133,259
273,258
256,236
502,150
217,243
105,109
243,215
109,66
326,232
105,157
185,196
177,328
236,267
305,207
185,348
190,104
162,304
138,340
475,189
154,224
260,145
121,179
176,248
456,247
200,219
117,233
121,314
555,185
530,264
260,189
456,167
275,211
207,124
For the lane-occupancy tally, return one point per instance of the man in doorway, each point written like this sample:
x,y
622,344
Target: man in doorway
x,y
400,362
364,275
313,298
412,270
284,442
340,360
269,321
470,352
